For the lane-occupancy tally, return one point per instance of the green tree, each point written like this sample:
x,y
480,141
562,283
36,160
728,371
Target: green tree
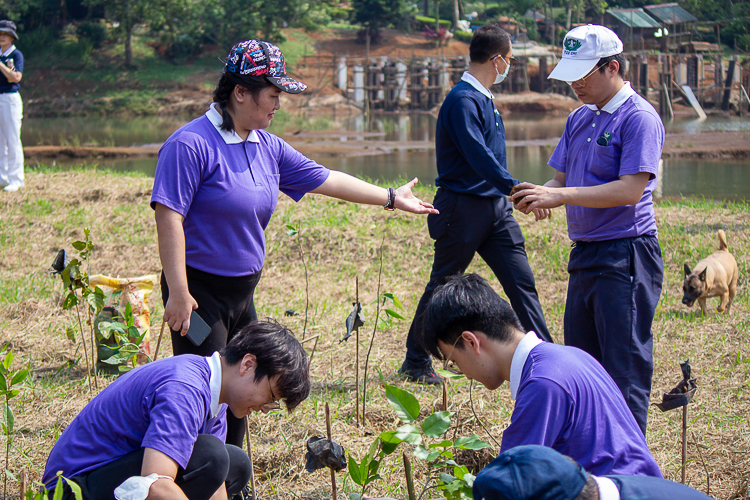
x,y
374,15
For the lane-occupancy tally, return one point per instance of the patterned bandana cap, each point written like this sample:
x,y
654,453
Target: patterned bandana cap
x,y
258,58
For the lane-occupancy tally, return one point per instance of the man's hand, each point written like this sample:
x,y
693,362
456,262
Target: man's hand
x,y
530,198
542,213
406,201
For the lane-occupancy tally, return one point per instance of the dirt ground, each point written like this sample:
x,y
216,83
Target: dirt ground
x,y
341,242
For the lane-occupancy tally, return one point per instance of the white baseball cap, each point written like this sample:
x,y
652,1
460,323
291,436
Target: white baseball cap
x,y
582,48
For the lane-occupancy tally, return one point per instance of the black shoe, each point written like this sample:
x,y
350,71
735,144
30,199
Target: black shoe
x,y
245,494
422,374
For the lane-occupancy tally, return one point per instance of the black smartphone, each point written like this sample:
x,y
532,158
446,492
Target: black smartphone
x,y
198,330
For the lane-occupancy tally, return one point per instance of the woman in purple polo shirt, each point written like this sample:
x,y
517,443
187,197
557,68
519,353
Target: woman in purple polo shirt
x,y
216,186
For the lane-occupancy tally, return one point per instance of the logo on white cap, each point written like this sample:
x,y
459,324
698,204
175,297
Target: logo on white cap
x,y
572,45
582,48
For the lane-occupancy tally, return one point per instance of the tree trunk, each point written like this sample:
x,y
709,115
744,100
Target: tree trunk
x,y
129,45
455,15
569,9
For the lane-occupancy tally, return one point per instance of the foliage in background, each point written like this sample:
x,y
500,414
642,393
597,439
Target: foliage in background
x,y
374,15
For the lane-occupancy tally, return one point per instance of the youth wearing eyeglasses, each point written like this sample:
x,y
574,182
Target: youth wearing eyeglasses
x,y
160,429
473,182
607,164
563,397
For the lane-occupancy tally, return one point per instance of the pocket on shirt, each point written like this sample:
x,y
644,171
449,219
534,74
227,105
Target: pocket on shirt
x,y
605,163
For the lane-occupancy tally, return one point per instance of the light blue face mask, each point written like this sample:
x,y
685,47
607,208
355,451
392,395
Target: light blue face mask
x,y
500,77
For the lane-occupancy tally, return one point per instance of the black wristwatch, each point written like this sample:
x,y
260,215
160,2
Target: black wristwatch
x,y
391,205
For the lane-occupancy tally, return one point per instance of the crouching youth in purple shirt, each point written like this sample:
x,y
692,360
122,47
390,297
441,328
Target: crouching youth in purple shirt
x,y
607,164
564,398
160,428
216,187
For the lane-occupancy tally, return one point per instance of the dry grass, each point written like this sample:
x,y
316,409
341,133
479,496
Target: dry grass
x,y
342,241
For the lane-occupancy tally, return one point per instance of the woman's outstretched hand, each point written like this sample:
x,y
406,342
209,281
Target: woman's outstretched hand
x,y
406,201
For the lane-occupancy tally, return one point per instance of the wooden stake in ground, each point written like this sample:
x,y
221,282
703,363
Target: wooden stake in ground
x,y
328,432
158,342
409,478
356,340
684,441
250,456
680,396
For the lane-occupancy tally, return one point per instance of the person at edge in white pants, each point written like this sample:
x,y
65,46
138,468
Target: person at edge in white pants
x,y
11,109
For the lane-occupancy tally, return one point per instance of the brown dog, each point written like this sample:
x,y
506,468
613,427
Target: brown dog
x,y
714,276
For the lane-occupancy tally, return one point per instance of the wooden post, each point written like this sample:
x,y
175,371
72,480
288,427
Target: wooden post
x,y
250,456
328,431
158,342
356,339
728,85
409,478
684,441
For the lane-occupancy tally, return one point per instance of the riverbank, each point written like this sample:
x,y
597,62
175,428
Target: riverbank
x,y
342,241
719,145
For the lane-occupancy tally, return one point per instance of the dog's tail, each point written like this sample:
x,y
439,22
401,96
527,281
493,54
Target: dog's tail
x,y
722,240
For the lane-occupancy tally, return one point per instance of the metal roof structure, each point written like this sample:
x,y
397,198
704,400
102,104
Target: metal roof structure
x,y
634,18
670,13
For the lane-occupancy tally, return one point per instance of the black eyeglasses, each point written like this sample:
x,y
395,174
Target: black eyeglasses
x,y
273,405
510,62
451,366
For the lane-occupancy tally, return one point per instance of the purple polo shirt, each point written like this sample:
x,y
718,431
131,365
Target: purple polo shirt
x,y
162,405
566,401
636,137
227,189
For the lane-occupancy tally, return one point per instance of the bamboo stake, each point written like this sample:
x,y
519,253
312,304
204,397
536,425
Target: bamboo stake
x,y
22,485
445,396
356,331
409,478
328,431
315,346
684,441
250,456
158,342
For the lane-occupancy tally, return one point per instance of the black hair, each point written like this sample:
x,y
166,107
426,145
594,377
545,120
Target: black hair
x,y
488,41
464,303
225,87
604,63
276,352
590,490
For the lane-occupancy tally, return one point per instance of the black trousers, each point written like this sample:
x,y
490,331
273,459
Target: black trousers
x,y
211,464
468,225
613,292
226,305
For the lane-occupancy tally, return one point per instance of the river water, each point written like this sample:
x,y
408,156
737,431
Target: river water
x,y
526,161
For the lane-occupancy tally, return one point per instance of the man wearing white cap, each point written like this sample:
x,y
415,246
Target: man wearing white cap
x,y
607,163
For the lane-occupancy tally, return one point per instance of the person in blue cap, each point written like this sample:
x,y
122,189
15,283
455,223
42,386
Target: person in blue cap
x,y
541,473
564,397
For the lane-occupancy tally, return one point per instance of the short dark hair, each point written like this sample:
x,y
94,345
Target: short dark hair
x,y
604,62
488,41
225,87
277,352
467,302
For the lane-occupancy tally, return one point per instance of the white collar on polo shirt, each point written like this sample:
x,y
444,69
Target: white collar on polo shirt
x,y
9,51
472,80
527,343
214,115
617,100
607,488
214,381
